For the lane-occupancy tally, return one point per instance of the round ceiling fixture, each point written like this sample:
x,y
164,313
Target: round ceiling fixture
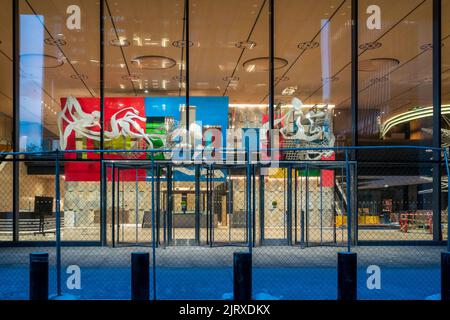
x,y
262,64
330,79
245,44
130,77
182,44
378,80
283,78
55,42
377,64
308,45
370,45
120,42
38,60
154,62
229,78
78,76
179,78
428,46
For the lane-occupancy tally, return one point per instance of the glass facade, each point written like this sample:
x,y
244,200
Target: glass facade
x,y
126,77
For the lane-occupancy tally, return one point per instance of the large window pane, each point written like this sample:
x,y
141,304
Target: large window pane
x,y
6,121
395,72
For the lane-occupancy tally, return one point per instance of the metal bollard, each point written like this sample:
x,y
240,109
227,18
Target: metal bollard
x,y
242,276
140,276
445,276
38,276
347,276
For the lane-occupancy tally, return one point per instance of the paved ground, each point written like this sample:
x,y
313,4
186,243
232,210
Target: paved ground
x,y
206,273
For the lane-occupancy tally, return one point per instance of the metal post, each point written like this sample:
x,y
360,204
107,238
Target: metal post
x,y
197,204
347,276
153,228
58,226
447,169
289,206
169,204
103,202
113,204
261,208
437,101
242,276
136,205
349,207
16,117
305,214
321,206
254,205
271,68
140,277
38,276
158,204
295,205
249,198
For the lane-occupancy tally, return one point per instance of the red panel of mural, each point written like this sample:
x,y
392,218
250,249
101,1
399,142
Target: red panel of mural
x,y
328,175
79,125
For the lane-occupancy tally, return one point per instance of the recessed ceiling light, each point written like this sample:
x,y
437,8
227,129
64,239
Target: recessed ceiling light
x,y
262,64
55,42
377,64
182,43
330,79
130,77
370,45
79,76
308,45
229,78
378,79
153,62
179,78
428,46
245,44
120,42
284,78
37,60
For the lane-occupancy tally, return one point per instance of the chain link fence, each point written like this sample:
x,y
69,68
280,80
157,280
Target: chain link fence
x,y
192,217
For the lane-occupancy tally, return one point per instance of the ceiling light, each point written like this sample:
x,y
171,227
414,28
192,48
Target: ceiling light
x,y
164,42
308,45
120,42
79,76
289,91
130,77
55,42
330,79
370,45
179,78
245,44
229,78
414,114
262,64
284,78
151,62
37,60
182,44
377,64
